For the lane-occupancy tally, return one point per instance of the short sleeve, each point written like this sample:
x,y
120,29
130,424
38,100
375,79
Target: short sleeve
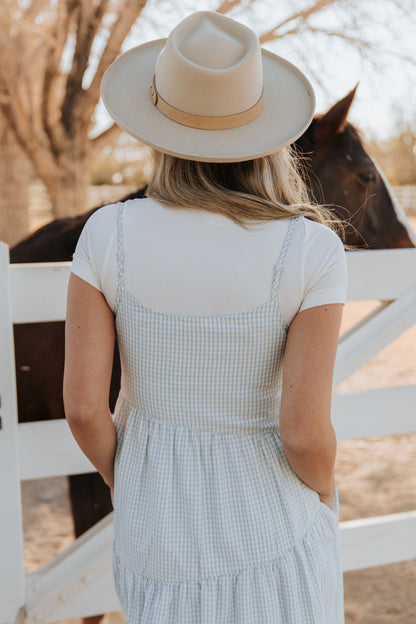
x,y
82,262
94,256
325,267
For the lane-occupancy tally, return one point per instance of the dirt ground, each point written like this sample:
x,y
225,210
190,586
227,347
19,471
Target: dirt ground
x,y
375,476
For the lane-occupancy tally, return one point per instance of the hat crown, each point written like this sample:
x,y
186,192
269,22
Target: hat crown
x,y
212,47
210,66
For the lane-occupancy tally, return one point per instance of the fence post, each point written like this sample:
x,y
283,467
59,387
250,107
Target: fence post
x,y
12,579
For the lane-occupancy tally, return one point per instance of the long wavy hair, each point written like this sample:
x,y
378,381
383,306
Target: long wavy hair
x,y
253,191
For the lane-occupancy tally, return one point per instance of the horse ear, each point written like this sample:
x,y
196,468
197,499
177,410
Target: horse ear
x,y
334,120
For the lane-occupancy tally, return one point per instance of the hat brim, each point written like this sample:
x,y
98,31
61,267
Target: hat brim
x,y
289,105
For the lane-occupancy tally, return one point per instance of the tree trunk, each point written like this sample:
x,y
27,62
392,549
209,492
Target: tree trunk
x,y
68,191
15,175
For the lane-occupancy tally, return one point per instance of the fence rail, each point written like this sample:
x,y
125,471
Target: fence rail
x,y
78,582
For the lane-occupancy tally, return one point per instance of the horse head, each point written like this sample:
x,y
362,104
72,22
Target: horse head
x,y
342,175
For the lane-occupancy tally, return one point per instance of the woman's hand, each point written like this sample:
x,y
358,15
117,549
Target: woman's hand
x,y
328,498
109,481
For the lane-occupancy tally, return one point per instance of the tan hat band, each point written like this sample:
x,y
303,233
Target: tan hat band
x,y
203,122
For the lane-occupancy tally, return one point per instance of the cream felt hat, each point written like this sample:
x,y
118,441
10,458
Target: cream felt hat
x,y
208,92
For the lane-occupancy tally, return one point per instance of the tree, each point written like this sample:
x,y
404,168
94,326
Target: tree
x,y
47,47
15,174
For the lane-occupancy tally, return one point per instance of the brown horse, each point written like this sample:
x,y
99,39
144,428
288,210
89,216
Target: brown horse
x,y
340,174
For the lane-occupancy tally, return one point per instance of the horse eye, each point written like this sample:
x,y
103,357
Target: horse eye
x,y
367,177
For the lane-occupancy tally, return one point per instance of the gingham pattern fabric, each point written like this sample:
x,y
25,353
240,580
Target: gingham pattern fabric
x,y
211,524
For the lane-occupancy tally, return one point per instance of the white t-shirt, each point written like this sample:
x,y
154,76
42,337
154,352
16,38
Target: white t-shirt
x,y
197,263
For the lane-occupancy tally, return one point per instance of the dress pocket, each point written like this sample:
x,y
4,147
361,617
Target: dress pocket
x,y
331,513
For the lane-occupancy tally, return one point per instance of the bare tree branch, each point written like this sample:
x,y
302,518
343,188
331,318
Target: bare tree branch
x,y
88,23
120,29
66,16
105,138
304,15
28,28
9,97
18,122
407,11
33,9
227,5
362,44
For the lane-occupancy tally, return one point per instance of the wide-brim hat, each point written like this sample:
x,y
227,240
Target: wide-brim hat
x,y
208,92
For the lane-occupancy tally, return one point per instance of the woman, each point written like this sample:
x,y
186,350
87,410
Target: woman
x,y
225,290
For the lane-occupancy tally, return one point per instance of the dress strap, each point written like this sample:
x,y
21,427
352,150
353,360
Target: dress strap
x,y
120,244
280,262
120,253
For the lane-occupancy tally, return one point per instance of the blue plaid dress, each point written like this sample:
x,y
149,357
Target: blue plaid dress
x,y
211,524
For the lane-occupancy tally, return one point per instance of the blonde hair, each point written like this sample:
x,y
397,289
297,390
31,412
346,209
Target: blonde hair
x,y
253,191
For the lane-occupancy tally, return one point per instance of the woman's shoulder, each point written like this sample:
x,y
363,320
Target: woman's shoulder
x,y
320,240
104,219
314,230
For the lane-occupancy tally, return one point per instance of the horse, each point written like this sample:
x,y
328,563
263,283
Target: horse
x,y
339,173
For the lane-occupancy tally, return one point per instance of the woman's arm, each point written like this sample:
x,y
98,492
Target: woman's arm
x,y
307,435
89,350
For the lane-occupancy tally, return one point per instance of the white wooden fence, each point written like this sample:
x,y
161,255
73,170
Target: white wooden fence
x,y
78,582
